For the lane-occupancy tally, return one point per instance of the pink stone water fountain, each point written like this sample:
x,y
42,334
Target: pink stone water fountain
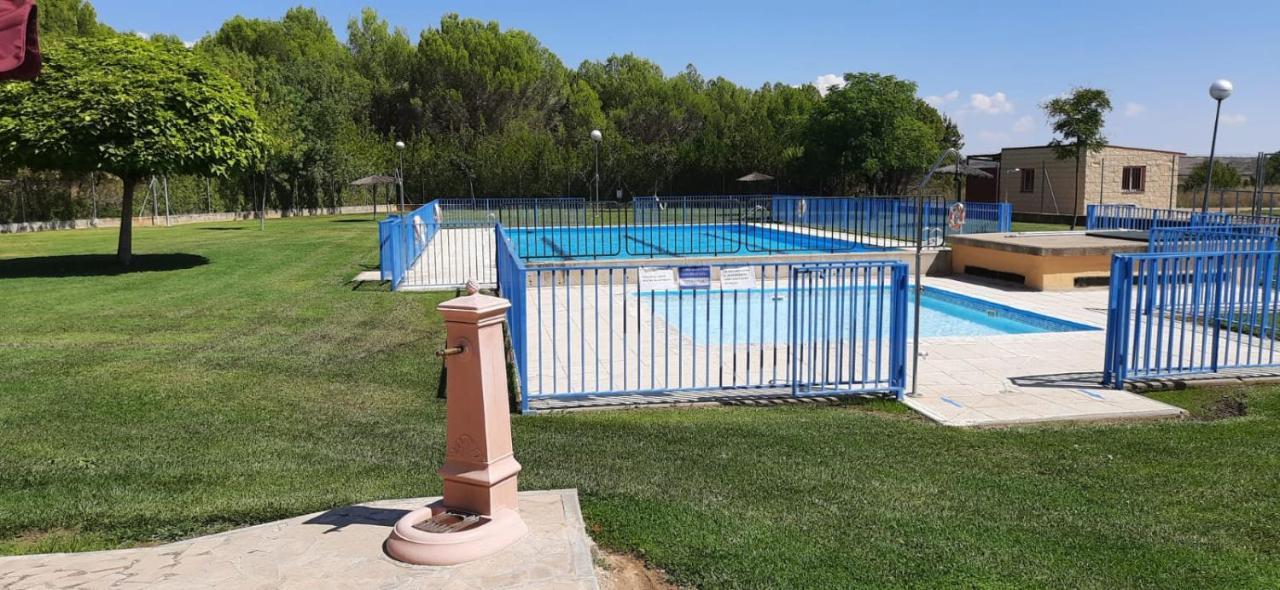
x,y
478,514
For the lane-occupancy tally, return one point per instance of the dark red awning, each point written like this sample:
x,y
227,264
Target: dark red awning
x,y
19,40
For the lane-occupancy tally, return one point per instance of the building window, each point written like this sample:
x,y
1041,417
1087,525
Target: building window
x,y
1028,180
1134,179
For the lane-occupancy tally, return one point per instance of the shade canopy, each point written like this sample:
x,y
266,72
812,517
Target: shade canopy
x,y
965,170
373,180
755,177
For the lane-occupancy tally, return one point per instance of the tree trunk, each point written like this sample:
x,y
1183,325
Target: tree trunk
x,y
1075,201
124,248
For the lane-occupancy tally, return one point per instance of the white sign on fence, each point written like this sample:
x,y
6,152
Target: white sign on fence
x,y
657,279
695,277
737,277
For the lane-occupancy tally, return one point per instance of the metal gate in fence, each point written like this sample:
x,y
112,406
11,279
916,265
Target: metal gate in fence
x,y
848,327
1185,313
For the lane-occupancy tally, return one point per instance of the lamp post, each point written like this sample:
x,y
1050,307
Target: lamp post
x,y
1219,91
596,138
400,173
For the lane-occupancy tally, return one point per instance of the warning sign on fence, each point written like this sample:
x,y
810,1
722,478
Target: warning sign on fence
x,y
694,277
657,279
737,278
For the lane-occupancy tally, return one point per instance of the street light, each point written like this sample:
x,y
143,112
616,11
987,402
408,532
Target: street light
x,y
1219,91
400,173
596,138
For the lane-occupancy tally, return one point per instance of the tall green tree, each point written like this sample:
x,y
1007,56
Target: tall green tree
x,y
305,84
874,133
60,19
1224,176
1077,120
129,107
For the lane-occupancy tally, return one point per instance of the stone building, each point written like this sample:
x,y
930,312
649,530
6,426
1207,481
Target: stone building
x,y
1037,182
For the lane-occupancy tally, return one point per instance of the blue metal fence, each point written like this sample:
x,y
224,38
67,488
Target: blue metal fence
x,y
588,331
1221,238
513,285
1130,217
1217,218
450,240
1185,313
985,218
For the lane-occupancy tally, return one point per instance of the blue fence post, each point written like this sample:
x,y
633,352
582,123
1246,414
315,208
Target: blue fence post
x,y
1113,372
898,330
386,260
1006,217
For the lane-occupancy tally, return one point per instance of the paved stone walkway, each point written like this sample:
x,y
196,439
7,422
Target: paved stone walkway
x,y
1025,378
341,548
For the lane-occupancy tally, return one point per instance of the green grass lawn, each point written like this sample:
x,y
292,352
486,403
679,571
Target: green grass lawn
x,y
248,383
1032,226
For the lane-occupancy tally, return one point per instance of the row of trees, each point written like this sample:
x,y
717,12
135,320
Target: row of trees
x,y
490,112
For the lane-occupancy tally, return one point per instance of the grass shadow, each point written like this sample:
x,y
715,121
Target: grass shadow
x,y
371,220
93,265
222,228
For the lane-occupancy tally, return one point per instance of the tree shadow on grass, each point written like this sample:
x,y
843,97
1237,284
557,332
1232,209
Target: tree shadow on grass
x,y
93,265
222,228
353,220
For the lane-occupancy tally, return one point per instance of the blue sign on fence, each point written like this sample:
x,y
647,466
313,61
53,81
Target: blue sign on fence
x,y
694,277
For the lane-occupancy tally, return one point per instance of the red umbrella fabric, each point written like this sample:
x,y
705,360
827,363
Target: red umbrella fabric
x,y
19,40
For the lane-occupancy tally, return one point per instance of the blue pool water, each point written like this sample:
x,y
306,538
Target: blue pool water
x,y
568,243
762,315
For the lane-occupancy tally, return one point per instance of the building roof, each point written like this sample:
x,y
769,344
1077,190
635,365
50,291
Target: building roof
x,y
1122,147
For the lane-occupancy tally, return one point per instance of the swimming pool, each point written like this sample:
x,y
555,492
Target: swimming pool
x,y
652,241
761,316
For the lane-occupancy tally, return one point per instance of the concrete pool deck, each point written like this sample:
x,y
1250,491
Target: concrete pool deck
x,y
1025,378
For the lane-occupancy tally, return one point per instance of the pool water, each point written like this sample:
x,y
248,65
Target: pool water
x,y
761,316
737,239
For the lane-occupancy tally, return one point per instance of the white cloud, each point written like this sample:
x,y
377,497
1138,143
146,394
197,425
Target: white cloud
x,y
1234,119
826,81
142,35
1023,124
1133,109
936,101
188,44
994,137
993,104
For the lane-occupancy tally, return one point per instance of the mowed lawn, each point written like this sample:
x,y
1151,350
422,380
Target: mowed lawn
x,y
244,381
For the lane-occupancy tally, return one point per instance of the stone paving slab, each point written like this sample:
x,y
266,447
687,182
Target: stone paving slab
x,y
340,548
1025,378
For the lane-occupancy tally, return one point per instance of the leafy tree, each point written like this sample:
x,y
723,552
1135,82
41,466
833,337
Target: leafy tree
x,y
300,77
386,58
129,107
69,18
1224,176
1077,120
874,133
490,111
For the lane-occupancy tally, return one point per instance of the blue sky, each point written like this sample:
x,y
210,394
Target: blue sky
x,y
987,64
